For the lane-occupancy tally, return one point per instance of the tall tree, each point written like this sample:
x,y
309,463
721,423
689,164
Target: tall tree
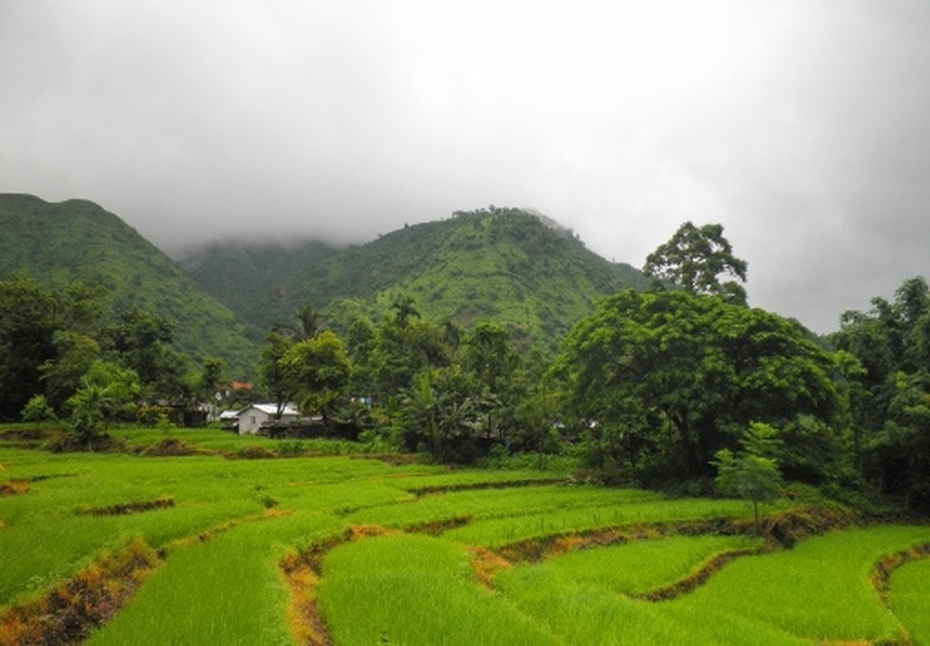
x,y
318,371
306,324
143,342
694,258
271,373
107,392
35,322
441,411
891,419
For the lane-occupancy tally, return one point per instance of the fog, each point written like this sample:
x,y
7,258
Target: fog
x,y
801,126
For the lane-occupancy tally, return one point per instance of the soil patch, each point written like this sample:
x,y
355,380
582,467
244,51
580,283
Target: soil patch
x,y
131,507
13,487
302,579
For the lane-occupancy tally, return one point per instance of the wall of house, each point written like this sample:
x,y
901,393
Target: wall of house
x,y
251,421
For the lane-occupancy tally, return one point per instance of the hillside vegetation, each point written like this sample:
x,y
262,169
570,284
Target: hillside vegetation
x,y
59,243
496,264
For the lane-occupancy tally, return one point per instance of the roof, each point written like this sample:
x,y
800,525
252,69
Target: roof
x,y
271,409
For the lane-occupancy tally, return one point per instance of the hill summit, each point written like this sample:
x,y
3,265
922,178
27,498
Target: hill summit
x,y
507,265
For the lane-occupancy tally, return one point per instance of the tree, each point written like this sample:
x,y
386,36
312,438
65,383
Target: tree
x,y
271,372
675,377
890,418
494,362
404,309
400,352
306,324
108,392
318,372
694,258
753,473
142,340
61,375
27,327
37,409
442,409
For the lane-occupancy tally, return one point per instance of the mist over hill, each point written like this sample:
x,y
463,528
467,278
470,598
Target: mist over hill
x,y
510,266
518,268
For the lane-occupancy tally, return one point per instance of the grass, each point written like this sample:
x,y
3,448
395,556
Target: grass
x,y
497,503
415,590
232,579
644,566
820,590
232,522
910,598
497,532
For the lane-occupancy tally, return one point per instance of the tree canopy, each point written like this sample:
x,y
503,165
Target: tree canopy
x,y
892,411
676,377
693,260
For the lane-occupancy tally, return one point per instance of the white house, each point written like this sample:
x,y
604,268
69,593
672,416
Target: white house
x,y
252,417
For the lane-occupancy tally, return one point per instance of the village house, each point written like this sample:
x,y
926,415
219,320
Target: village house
x,y
252,417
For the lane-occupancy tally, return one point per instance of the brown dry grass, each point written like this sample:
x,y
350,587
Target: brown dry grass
x,y
67,614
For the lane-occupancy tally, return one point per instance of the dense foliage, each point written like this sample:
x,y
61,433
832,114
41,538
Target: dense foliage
x,y
891,403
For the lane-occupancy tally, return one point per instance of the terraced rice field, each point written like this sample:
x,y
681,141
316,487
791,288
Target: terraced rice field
x,y
213,548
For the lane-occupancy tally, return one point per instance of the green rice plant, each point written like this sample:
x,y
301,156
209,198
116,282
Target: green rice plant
x,y
495,503
58,511
411,589
820,590
586,614
445,479
644,566
226,590
497,532
910,598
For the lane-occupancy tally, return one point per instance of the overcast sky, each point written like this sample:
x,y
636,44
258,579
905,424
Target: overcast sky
x,y
803,126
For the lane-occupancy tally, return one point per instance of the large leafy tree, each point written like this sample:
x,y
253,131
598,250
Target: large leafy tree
x,y
694,258
399,352
36,324
892,414
676,377
491,357
143,342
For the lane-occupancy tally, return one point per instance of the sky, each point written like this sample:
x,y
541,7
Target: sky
x,y
801,126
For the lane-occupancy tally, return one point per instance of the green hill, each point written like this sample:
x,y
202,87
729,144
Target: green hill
x,y
76,239
504,265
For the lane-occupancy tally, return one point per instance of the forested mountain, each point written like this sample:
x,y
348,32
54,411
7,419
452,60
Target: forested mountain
x,y
76,239
496,264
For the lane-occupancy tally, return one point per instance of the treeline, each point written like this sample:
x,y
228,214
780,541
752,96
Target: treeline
x,y
63,354
676,383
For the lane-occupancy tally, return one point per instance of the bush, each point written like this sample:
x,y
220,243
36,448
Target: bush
x,y
37,409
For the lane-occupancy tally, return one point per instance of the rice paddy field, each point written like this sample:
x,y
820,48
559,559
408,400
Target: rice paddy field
x,y
253,541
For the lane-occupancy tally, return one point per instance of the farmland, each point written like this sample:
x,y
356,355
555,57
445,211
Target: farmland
x,y
255,541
